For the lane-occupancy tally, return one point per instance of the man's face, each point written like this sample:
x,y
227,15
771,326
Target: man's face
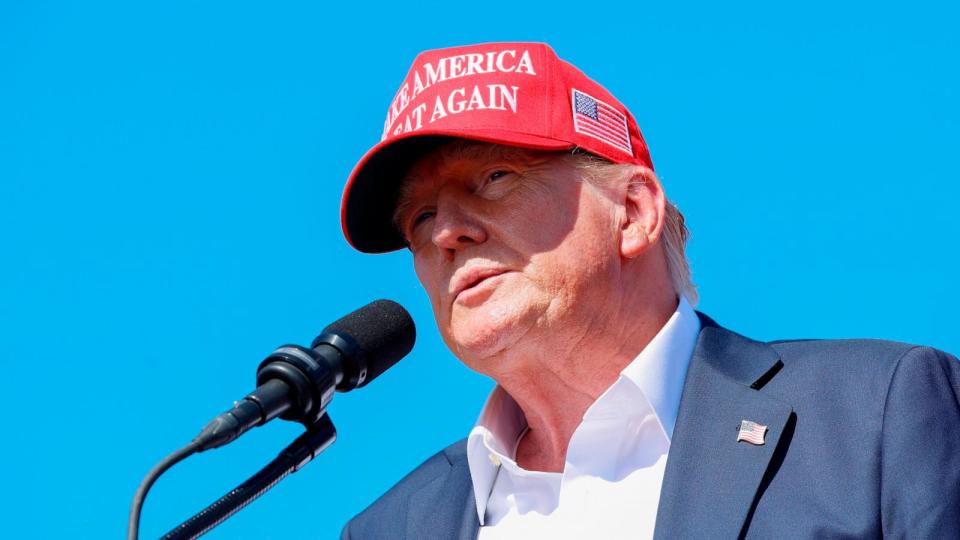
x,y
515,251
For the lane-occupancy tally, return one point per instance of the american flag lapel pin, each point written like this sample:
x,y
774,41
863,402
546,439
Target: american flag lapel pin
x,y
751,432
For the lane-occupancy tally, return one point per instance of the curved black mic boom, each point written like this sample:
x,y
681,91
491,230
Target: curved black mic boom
x,y
297,383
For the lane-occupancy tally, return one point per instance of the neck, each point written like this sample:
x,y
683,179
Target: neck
x,y
554,386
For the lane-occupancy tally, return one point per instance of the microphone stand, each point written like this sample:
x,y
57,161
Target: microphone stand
x,y
293,383
291,459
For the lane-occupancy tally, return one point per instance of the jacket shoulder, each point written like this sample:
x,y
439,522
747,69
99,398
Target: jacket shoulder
x,y
857,353
878,415
872,350
867,363
390,514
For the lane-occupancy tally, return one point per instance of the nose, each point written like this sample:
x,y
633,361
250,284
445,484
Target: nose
x,y
456,225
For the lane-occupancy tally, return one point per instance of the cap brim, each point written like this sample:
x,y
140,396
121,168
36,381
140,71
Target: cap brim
x,y
370,196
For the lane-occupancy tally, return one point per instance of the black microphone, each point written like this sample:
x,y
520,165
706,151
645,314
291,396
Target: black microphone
x,y
297,383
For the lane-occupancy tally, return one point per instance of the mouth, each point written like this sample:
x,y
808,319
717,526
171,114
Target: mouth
x,y
470,283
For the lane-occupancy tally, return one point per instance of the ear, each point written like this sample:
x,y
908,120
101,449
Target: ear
x,y
644,204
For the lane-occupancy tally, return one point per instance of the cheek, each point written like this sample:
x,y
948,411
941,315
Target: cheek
x,y
433,283
428,276
538,220
585,259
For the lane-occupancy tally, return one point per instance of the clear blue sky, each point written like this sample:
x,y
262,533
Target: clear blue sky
x,y
170,175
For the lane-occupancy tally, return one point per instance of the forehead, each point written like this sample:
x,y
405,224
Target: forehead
x,y
465,153
458,158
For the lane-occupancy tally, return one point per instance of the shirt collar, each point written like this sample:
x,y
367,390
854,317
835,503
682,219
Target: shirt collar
x,y
661,367
658,371
494,438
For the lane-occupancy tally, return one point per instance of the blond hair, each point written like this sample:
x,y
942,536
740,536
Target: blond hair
x,y
599,172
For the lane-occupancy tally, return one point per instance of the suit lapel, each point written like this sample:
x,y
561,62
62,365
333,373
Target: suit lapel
x,y
445,508
470,524
711,480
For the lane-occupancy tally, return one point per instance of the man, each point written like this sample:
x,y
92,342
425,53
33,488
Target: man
x,y
554,264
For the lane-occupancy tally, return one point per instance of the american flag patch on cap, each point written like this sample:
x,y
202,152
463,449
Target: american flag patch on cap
x,y
596,119
751,432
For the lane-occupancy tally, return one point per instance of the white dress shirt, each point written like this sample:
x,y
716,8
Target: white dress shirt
x,y
610,484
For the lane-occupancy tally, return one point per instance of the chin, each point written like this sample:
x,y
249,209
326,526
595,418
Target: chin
x,y
479,333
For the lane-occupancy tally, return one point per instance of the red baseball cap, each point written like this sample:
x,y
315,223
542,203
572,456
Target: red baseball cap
x,y
517,94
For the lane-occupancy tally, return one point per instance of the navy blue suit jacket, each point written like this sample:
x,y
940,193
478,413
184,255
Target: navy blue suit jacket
x,y
863,442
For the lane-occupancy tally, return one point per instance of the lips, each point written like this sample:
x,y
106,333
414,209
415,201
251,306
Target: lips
x,y
468,278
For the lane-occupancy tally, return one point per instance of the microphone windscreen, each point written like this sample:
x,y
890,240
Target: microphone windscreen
x,y
384,332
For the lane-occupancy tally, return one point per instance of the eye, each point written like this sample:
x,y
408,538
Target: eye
x,y
496,175
493,178
421,217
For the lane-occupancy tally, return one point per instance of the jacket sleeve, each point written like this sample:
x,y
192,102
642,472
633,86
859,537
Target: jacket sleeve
x,y
920,447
